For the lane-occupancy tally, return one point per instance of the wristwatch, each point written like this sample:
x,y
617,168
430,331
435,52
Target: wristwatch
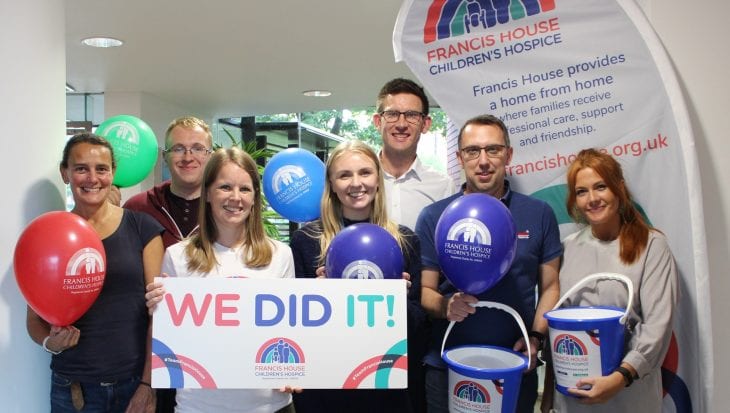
x,y
628,377
540,339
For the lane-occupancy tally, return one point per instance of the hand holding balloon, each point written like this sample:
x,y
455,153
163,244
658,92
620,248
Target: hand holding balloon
x,y
459,306
62,338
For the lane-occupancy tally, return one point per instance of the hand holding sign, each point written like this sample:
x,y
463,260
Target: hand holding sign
x,y
60,266
476,242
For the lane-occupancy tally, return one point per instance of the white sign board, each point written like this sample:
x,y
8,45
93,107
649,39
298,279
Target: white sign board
x,y
267,333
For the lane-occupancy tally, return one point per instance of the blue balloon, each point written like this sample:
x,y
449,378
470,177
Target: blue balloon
x,y
294,183
364,251
476,242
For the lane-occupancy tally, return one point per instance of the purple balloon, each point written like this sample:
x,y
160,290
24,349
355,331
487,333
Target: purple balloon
x,y
476,242
363,251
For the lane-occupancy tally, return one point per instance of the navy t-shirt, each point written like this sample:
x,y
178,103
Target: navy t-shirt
x,y
538,242
112,344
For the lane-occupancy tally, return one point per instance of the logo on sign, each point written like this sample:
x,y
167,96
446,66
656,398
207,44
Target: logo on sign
x,y
362,270
279,357
84,272
455,18
290,182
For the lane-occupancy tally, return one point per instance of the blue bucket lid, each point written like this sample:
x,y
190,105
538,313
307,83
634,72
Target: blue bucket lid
x,y
517,361
585,314
585,318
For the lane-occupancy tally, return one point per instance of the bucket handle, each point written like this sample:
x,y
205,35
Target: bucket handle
x,y
498,306
603,276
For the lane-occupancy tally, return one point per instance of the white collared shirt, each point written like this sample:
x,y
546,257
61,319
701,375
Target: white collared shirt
x,y
419,187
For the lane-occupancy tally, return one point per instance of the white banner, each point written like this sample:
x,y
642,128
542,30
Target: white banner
x,y
268,333
567,75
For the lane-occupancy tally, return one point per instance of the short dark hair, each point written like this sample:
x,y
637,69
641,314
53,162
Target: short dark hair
x,y
401,85
486,120
86,137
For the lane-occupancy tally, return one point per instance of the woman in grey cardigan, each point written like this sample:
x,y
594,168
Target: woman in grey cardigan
x,y
617,239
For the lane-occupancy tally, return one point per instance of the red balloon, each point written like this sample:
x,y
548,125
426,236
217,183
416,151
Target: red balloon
x,y
60,266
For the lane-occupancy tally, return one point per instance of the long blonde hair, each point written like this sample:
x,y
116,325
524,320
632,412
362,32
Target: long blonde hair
x,y
257,247
331,207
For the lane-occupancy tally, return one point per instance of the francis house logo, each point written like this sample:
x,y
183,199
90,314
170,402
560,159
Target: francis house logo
x,y
471,396
569,345
452,18
289,183
84,272
362,270
468,239
471,231
279,357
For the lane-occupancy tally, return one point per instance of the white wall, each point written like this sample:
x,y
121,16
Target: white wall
x,y
695,35
32,112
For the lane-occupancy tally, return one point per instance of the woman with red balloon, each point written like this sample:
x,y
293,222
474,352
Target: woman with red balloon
x,y
101,362
617,239
354,194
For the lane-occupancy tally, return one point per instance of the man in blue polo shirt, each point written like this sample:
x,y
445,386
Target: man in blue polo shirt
x,y
483,152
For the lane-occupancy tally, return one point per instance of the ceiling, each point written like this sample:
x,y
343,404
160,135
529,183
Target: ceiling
x,y
223,58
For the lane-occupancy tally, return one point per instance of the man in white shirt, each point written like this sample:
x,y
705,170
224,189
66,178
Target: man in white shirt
x,y
401,118
410,186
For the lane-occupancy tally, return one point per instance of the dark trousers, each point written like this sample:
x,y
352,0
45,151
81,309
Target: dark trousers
x,y
165,400
107,397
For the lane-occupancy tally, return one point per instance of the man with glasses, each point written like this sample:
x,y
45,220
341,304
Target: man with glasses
x,y
401,118
174,203
484,152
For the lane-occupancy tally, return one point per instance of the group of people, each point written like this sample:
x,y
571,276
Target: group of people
x,y
207,222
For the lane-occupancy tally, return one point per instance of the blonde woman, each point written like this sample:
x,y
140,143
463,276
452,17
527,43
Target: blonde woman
x,y
354,193
230,243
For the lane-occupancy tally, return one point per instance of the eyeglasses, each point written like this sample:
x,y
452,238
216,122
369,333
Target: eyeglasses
x,y
178,151
472,152
411,116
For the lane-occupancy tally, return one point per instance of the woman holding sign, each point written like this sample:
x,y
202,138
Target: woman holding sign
x,y
89,374
354,193
618,240
230,243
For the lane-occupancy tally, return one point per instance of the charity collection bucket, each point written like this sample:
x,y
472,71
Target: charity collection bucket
x,y
587,341
485,378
